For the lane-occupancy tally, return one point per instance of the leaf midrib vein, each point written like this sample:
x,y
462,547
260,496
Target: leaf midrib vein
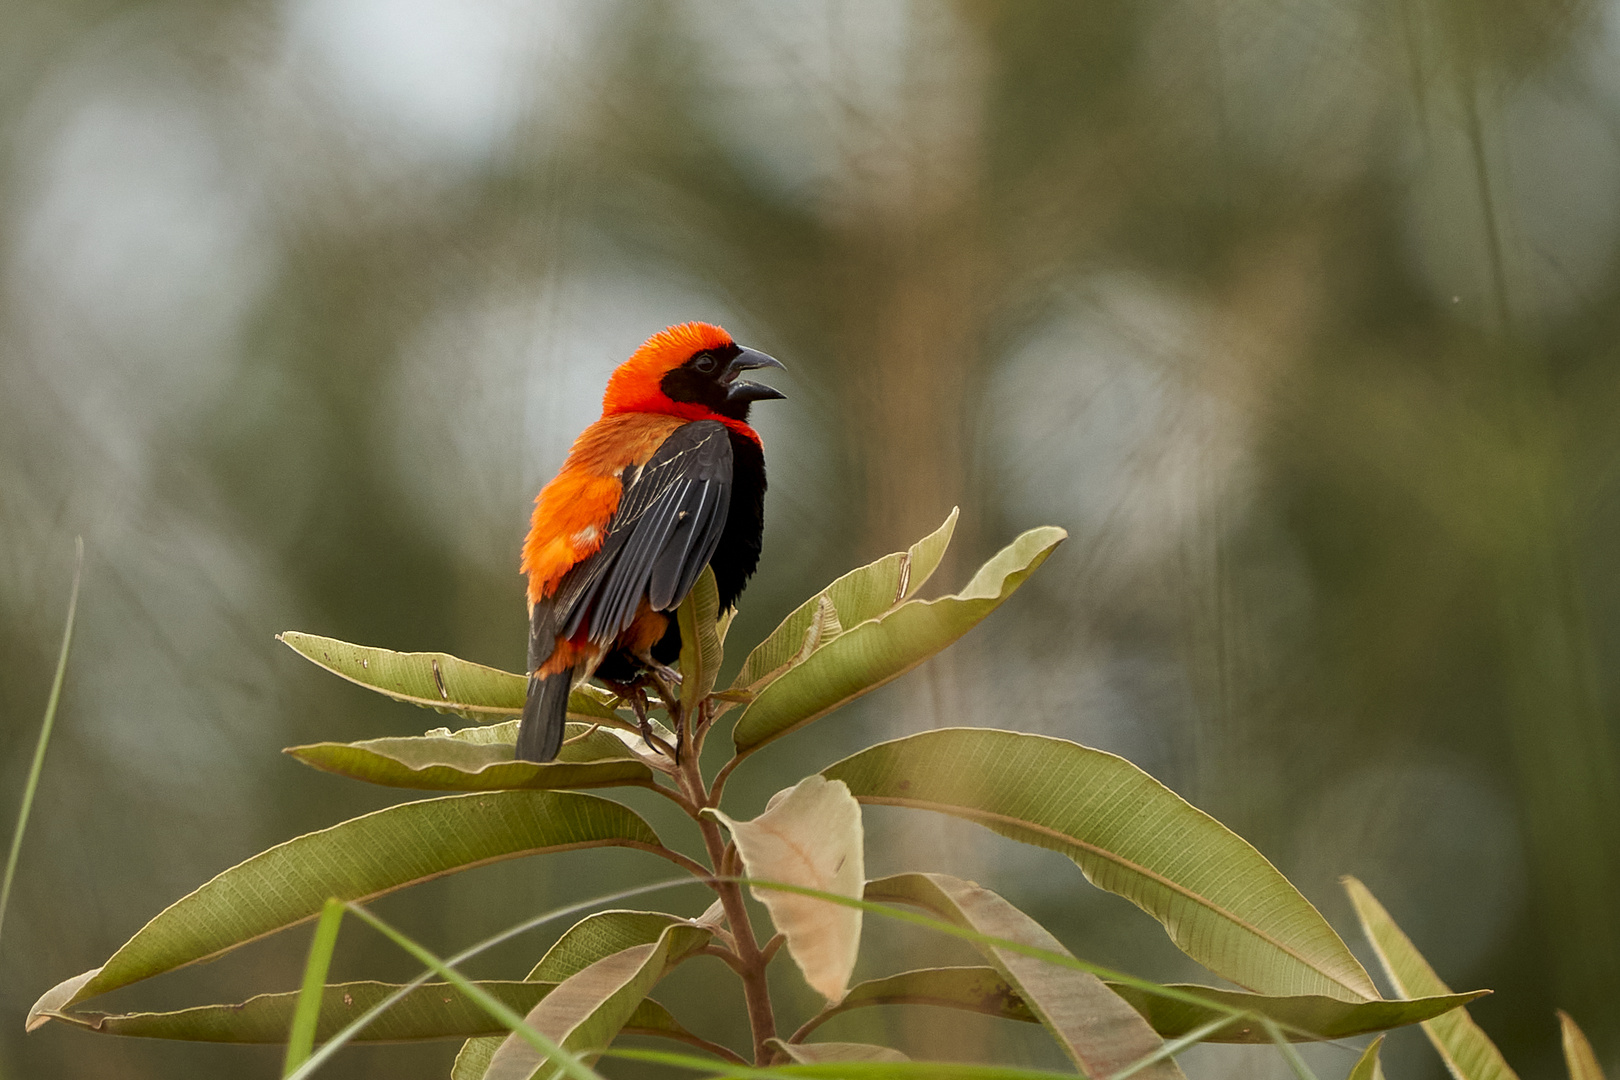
x,y
1117,860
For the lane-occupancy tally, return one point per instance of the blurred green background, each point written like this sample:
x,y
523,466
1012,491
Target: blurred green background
x,y
1300,315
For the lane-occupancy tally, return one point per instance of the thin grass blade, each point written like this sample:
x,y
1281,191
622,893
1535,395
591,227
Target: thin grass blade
x,y
1301,1070
301,1039
31,785
348,1033
565,1060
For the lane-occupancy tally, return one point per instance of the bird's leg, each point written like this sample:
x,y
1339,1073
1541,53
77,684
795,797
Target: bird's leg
x,y
666,680
668,683
637,697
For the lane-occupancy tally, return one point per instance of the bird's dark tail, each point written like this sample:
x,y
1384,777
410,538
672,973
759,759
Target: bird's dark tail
x,y
545,712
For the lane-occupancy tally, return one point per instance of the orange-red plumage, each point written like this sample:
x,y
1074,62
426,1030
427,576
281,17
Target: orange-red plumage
x,y
634,385
673,444
571,513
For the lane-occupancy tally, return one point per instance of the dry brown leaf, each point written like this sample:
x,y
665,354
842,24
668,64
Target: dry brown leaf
x,y
810,835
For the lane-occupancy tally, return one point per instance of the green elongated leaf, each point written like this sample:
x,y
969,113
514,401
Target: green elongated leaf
x,y
600,935
1467,1051
1578,1055
437,681
568,1063
862,594
701,653
588,1009
1321,1017
472,1060
480,759
924,557
868,655
971,989
355,860
430,1011
650,1018
1220,900
810,1053
1099,1031
594,937
983,990
1367,1066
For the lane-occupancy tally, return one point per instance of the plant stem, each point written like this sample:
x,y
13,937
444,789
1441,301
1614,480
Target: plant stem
x,y
750,961
751,966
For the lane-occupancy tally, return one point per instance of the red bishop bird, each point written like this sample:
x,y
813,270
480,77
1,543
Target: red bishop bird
x,y
671,479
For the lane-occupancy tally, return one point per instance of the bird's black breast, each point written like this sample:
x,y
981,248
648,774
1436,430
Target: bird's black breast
x,y
737,554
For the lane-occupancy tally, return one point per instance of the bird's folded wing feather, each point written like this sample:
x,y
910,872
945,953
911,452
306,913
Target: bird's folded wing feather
x,y
663,534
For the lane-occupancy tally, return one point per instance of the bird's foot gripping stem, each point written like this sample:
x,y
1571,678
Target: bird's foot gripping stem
x,y
667,681
637,697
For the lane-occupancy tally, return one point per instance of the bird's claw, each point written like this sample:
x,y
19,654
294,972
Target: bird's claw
x,y
636,696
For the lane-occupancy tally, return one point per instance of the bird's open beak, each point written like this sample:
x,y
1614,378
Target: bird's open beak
x,y
743,390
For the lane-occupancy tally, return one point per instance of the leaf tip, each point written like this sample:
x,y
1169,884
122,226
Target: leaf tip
x,y
58,997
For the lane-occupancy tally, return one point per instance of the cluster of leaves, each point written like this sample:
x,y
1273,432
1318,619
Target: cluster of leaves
x,y
1218,898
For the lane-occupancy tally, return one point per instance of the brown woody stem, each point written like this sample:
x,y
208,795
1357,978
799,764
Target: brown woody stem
x,y
748,960
751,961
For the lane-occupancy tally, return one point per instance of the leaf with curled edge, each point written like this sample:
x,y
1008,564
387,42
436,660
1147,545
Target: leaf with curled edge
x,y
869,654
863,593
438,681
480,759
824,626
594,937
590,1008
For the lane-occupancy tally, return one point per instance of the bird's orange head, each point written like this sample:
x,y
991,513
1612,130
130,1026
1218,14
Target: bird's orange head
x,y
690,370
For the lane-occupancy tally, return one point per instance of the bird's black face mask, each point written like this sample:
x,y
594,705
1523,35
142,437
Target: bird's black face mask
x,y
709,378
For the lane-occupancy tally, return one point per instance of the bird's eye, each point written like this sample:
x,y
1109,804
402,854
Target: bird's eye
x,y
705,363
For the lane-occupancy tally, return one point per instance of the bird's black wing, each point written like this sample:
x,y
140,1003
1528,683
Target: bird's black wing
x,y
668,524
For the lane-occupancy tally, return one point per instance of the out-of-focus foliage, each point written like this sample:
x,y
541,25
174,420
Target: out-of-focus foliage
x,y
1220,901
1299,316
